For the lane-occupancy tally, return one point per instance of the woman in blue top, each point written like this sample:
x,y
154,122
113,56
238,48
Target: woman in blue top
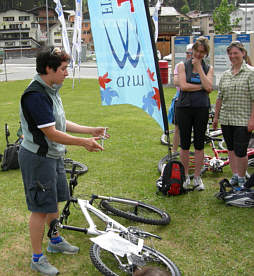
x,y
192,108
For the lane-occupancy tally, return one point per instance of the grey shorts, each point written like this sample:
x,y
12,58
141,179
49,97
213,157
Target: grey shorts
x,y
44,181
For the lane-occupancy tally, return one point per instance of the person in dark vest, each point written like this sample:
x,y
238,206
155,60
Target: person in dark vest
x,y
192,108
235,110
44,127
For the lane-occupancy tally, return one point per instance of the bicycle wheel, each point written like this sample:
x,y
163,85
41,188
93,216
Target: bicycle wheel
x,y
166,158
136,211
79,167
110,265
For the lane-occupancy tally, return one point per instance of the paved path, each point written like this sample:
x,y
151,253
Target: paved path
x,y
21,69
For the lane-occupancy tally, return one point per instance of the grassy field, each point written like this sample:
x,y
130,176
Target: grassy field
x,y
204,237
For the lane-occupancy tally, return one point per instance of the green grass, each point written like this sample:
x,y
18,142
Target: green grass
x,y
204,237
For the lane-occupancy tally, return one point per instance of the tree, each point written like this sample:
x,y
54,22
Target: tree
x,y
221,18
185,9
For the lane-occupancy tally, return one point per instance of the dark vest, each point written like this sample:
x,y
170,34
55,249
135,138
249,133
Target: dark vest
x,y
38,135
198,98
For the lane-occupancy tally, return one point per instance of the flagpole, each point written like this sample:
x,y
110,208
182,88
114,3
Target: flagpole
x,y
163,106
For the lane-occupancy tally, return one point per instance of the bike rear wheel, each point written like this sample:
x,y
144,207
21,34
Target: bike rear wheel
x,y
136,211
176,157
108,264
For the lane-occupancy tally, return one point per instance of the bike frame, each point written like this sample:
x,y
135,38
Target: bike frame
x,y
112,226
86,207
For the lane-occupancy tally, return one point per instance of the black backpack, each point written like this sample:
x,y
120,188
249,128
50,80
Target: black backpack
x,y
10,156
173,177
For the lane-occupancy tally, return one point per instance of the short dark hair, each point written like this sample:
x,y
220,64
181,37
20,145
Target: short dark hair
x,y
51,57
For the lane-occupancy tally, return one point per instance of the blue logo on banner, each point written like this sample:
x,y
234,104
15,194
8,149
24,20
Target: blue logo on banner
x,y
121,63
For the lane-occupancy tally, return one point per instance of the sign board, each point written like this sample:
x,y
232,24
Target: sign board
x,y
180,48
221,60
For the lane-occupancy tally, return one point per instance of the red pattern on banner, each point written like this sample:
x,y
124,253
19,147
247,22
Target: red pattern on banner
x,y
156,97
150,74
103,80
119,2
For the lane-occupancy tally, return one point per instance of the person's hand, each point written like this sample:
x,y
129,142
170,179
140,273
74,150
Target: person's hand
x,y
196,64
250,125
215,123
91,144
100,132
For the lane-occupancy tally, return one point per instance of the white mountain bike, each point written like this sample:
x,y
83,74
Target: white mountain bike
x,y
116,249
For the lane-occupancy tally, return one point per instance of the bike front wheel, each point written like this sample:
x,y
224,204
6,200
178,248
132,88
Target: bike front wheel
x,y
111,265
75,167
136,211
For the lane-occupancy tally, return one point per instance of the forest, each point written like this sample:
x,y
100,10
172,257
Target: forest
x,y
180,5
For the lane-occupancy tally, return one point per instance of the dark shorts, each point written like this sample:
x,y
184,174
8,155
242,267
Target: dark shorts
x,y
236,138
44,181
192,118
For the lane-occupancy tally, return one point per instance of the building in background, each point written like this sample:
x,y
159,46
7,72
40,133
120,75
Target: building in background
x,y
246,13
18,30
171,23
202,23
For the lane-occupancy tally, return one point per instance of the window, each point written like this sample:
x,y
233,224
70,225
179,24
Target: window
x,y
24,18
34,25
9,43
58,40
25,35
8,19
25,43
14,26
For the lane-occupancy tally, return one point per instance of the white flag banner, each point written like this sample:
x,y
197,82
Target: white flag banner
x,y
156,19
79,27
76,39
59,11
74,44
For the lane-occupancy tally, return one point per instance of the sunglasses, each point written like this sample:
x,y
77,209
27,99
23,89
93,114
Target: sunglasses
x,y
236,43
55,51
188,53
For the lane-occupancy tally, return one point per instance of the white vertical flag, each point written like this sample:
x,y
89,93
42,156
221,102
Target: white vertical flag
x,y
59,11
156,18
76,39
79,26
